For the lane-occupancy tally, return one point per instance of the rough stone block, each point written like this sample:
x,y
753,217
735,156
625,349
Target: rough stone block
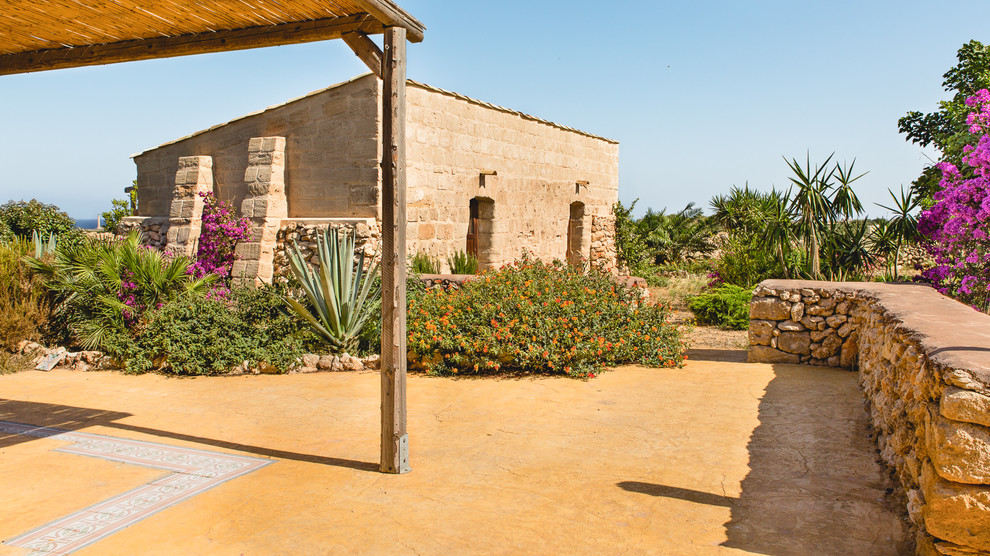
x,y
794,342
830,346
955,512
959,451
766,354
797,310
768,308
966,406
760,332
835,321
248,251
820,310
791,326
965,380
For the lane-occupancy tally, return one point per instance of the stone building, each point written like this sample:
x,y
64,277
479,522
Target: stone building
x,y
481,178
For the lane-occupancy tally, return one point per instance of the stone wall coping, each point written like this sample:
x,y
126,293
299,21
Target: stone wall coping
x,y
325,221
456,278
138,219
952,334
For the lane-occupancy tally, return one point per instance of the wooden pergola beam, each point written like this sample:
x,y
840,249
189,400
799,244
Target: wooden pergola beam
x,y
393,15
185,45
366,50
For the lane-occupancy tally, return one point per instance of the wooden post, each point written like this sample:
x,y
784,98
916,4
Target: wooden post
x,y
395,441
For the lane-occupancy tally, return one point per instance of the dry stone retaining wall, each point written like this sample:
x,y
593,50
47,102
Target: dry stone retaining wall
x,y
154,230
924,368
303,233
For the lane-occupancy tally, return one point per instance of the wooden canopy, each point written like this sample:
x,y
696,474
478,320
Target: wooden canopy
x,y
37,35
40,35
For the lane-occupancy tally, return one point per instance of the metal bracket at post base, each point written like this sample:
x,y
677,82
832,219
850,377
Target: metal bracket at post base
x,y
403,457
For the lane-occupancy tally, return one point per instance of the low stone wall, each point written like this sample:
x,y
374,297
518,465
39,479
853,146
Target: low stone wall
x,y
304,231
155,230
924,368
603,250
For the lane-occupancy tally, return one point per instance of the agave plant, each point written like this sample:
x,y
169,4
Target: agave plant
x,y
341,294
42,247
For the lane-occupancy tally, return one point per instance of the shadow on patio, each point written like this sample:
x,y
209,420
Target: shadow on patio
x,y
78,418
814,485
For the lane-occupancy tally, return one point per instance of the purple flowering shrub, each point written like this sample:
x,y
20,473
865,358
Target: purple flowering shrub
x,y
956,225
219,236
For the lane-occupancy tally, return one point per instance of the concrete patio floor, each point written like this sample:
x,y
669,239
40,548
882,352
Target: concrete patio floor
x,y
715,458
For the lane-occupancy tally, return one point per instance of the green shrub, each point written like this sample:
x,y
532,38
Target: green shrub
x,y
119,209
537,318
24,307
24,217
6,234
726,305
421,263
744,261
462,263
104,287
211,336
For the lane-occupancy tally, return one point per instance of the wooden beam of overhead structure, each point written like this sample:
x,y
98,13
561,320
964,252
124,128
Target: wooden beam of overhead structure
x,y
391,14
184,45
395,441
366,50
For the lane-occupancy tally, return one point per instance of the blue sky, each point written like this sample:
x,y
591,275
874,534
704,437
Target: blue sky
x,y
701,95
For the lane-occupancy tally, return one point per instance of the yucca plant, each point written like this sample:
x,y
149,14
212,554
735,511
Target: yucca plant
x,y
341,294
103,287
903,225
462,263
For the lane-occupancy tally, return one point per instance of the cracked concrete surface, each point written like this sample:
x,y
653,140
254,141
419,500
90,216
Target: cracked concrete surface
x,y
713,458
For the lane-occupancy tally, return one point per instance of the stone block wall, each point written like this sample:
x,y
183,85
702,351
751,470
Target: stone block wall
x,y
185,219
532,171
530,175
332,155
265,205
924,368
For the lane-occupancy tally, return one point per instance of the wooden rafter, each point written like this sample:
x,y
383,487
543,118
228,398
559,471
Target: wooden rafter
x,y
38,35
366,50
184,45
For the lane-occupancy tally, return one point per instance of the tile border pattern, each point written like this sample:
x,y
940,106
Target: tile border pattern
x,y
190,472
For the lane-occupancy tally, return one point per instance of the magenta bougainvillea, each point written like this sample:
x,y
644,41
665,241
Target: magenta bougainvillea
x,y
956,225
219,236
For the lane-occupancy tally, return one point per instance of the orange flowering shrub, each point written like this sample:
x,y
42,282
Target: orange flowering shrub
x,y
534,317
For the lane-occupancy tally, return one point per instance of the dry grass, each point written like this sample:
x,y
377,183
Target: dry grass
x,y
677,289
13,362
676,292
23,302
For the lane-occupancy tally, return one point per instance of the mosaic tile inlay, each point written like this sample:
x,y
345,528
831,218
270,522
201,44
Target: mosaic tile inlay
x,y
191,472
